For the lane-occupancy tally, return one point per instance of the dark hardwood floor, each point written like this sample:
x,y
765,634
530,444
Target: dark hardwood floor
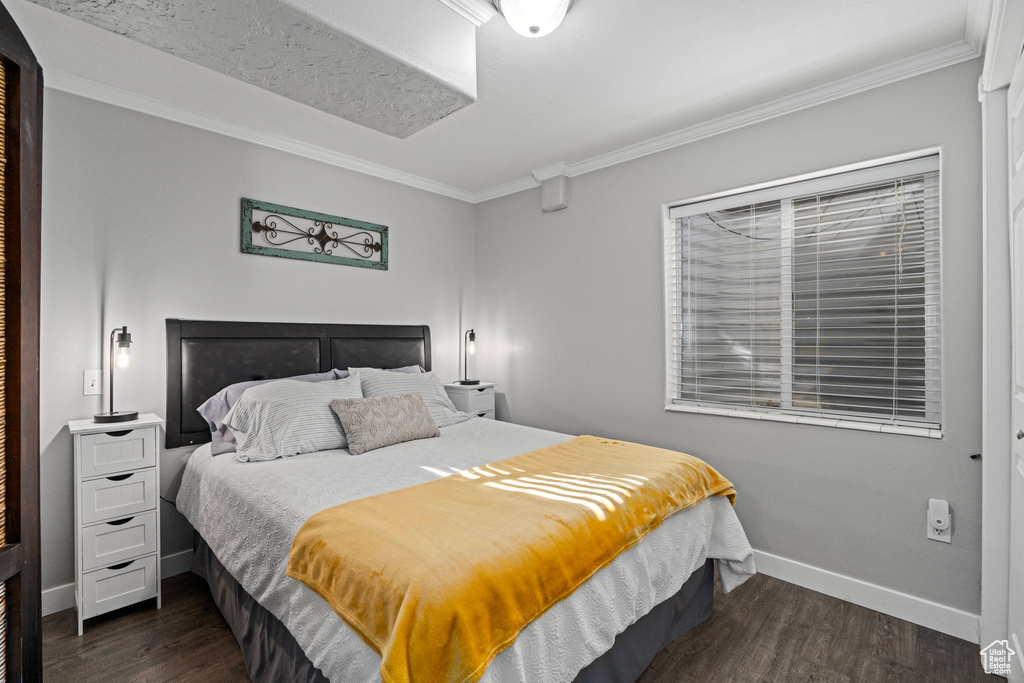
x,y
186,640
766,630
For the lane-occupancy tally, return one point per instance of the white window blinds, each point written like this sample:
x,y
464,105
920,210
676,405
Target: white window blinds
x,y
817,298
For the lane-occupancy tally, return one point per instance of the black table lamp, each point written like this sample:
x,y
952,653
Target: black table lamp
x,y
470,346
123,359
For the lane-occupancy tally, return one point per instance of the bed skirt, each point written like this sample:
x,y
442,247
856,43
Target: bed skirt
x,y
271,653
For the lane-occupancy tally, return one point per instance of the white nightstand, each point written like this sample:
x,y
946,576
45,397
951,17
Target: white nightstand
x,y
473,398
117,513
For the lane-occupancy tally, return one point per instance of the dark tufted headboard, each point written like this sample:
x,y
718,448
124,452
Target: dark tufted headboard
x,y
205,356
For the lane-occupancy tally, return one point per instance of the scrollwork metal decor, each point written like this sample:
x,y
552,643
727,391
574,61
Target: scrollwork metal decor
x,y
275,230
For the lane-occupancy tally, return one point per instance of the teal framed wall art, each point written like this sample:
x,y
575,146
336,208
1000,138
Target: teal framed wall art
x,y
276,230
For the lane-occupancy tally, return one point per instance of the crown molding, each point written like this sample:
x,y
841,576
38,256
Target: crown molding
x,y
537,177
552,171
1002,49
505,189
101,92
979,18
477,12
918,64
921,63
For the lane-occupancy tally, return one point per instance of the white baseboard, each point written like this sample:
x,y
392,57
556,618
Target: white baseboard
x,y
916,610
60,598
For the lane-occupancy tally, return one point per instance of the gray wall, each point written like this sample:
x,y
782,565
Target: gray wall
x,y
141,223
570,324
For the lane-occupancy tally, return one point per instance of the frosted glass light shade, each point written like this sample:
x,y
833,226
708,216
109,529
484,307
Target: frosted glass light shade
x,y
534,18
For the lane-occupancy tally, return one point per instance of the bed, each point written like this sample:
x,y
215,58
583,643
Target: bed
x,y
245,516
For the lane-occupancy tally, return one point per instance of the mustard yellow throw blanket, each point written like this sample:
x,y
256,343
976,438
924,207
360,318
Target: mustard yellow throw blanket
x,y
439,577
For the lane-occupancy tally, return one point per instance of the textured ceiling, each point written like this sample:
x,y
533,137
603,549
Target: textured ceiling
x,y
273,45
614,75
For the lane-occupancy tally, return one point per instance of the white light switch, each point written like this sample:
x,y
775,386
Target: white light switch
x,y
91,383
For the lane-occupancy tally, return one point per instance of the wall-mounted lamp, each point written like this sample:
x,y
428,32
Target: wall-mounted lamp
x,y
120,337
533,18
470,350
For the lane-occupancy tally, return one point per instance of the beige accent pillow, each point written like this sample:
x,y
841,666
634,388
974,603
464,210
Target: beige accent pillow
x,y
372,423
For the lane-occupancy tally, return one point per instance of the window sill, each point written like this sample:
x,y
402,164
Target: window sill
x,y
819,421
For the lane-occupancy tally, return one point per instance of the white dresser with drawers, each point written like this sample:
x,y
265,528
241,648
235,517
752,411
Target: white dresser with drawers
x,y
477,399
117,514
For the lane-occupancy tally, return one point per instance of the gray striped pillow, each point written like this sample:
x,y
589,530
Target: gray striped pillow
x,y
286,417
380,383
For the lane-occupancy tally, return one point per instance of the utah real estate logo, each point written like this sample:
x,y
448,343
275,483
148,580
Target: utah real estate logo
x,y
995,658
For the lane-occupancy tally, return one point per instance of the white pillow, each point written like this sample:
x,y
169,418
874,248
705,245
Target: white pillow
x,y
380,383
287,417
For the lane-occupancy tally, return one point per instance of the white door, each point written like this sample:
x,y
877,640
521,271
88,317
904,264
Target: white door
x,y
1015,102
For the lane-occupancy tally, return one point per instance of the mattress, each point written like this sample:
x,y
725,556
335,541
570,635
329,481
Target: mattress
x,y
249,513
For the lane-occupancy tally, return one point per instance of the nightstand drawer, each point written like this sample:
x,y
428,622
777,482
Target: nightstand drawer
x,y
480,400
471,398
117,451
487,414
118,585
118,496
118,540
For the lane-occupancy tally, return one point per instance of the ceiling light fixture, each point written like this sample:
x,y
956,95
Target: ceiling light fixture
x,y
533,18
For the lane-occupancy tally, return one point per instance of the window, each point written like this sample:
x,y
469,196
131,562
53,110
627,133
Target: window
x,y
809,301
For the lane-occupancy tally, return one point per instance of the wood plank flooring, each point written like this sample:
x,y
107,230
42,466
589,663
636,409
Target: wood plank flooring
x,y
765,630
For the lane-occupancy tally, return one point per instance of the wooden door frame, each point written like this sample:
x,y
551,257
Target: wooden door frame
x,y
19,558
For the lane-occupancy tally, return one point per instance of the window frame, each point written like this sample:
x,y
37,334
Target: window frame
x,y
926,160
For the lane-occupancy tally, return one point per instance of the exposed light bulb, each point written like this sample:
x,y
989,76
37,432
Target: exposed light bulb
x,y
471,347
123,358
534,18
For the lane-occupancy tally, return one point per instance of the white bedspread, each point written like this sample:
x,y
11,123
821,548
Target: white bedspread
x,y
250,512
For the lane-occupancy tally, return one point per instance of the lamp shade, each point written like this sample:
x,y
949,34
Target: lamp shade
x,y
123,357
534,18
120,342
470,347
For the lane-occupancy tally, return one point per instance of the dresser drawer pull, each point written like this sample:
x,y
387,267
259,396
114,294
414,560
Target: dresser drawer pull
x,y
481,414
115,567
484,389
123,432
119,522
120,477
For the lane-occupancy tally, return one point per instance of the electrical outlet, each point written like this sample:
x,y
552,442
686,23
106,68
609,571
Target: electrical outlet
x,y
940,520
91,383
